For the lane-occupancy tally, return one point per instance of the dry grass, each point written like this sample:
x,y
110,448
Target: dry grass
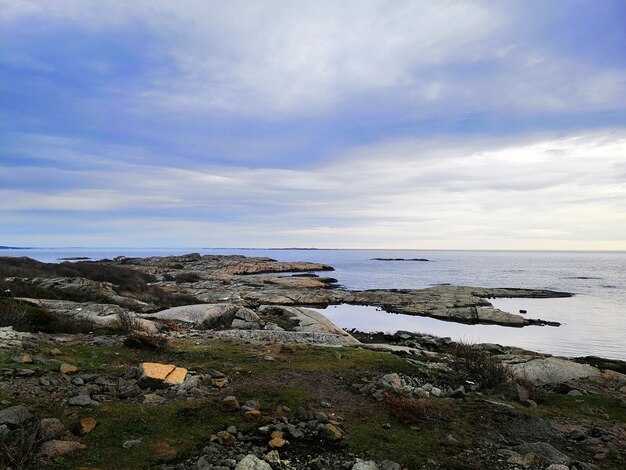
x,y
18,451
415,411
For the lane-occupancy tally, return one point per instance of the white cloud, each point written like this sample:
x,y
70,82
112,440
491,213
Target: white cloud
x,y
276,59
408,193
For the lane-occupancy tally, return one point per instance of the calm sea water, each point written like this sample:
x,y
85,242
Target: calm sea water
x,y
593,321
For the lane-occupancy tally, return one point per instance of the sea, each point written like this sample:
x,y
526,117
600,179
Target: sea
x,y
593,321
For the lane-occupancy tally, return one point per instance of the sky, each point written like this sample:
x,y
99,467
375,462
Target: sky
x,y
354,124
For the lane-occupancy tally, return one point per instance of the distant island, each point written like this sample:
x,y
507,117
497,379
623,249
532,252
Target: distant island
x,y
400,259
2,247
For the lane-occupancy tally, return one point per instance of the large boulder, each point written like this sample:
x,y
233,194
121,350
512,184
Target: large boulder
x,y
200,315
553,370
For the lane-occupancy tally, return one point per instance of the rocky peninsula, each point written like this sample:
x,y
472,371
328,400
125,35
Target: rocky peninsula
x,y
216,362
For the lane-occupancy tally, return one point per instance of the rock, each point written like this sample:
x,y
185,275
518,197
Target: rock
x,y
273,457
22,359
200,315
390,465
15,415
546,453
392,382
156,375
55,448
83,400
575,393
252,462
4,431
332,432
131,443
557,466
252,415
230,403
524,460
277,440
224,438
67,369
86,425
365,465
553,371
51,428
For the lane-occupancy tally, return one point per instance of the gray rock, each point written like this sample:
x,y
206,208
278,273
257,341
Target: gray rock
x,y
15,415
557,466
364,465
251,462
131,443
83,400
4,431
390,465
553,371
547,453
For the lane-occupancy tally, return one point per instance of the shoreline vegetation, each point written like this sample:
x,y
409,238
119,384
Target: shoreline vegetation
x,y
215,362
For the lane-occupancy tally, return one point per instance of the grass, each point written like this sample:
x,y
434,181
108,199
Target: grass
x,y
579,407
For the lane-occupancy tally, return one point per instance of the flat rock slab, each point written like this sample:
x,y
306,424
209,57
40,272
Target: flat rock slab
x,y
152,373
553,371
54,448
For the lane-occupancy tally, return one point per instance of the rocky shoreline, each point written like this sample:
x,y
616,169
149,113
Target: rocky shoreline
x,y
215,362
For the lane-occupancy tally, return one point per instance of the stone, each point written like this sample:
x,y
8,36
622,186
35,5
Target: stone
x,y
157,375
131,443
390,465
22,359
224,438
332,432
273,457
277,440
252,415
56,448
83,400
177,376
230,403
547,454
15,415
55,352
252,462
4,431
553,371
557,466
67,369
525,460
86,425
392,382
365,465
51,428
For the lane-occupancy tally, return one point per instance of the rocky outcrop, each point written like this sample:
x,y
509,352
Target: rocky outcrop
x,y
551,370
289,337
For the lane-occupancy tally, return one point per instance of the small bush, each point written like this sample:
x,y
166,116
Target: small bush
x,y
14,313
149,341
473,363
128,322
19,449
187,277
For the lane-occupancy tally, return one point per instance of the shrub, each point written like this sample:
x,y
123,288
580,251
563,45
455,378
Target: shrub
x,y
14,313
186,277
19,449
128,322
473,363
414,411
150,341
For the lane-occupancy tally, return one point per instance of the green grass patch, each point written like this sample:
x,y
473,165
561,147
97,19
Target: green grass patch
x,y
586,406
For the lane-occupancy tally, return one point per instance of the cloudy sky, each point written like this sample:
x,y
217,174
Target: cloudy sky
x,y
355,123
